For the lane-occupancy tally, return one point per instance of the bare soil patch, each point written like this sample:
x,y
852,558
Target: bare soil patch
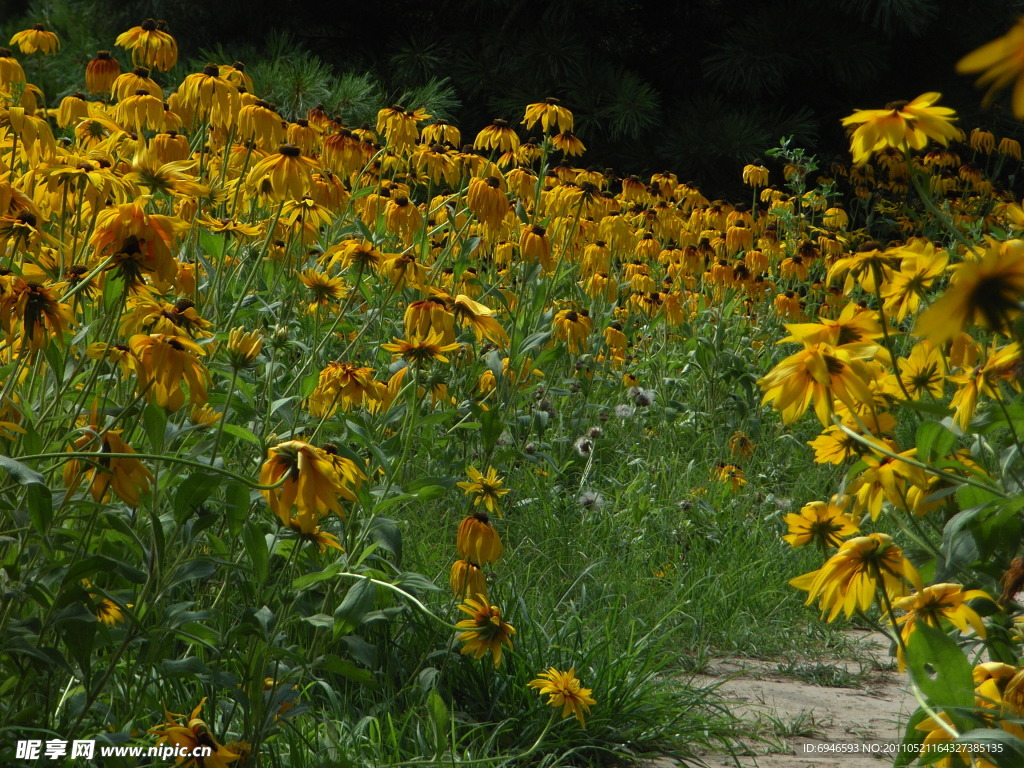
x,y
793,705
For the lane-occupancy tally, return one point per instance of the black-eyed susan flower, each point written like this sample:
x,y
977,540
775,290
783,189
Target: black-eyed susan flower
x,y
343,385
11,71
128,478
480,318
497,137
129,229
924,371
101,72
39,313
568,144
818,373
1000,62
984,292
151,46
36,39
429,315
324,288
573,327
419,350
823,524
188,737
441,132
486,199
485,630
484,489
933,604
210,96
901,124
755,175
166,364
851,577
312,484
138,79
534,245
467,580
477,540
550,114
243,347
282,176
564,690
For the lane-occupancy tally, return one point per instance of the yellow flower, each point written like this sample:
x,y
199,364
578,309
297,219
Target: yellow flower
x,y
150,46
484,630
564,690
466,579
568,144
285,175
550,114
985,292
128,478
740,445
324,288
821,524
36,39
731,475
573,327
901,124
820,373
165,363
243,347
204,417
194,733
477,540
418,351
497,137
480,318
312,483
485,489
934,603
1000,63
850,578
924,371
101,72
343,384
755,175
487,200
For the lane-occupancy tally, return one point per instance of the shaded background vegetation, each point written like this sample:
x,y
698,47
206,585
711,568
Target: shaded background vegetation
x,y
700,87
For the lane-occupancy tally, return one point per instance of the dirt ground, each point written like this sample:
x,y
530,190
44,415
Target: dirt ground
x,y
792,706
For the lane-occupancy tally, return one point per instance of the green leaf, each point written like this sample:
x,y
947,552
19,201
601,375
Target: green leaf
x,y
942,672
212,244
193,491
40,507
20,473
256,547
242,433
934,441
346,669
154,421
439,719
359,601
319,620
237,501
309,579
192,570
187,667
385,533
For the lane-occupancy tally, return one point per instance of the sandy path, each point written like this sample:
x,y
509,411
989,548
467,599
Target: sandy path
x,y
794,706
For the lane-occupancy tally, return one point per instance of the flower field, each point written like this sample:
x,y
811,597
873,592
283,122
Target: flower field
x,y
400,444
